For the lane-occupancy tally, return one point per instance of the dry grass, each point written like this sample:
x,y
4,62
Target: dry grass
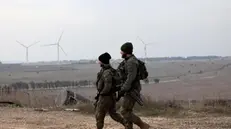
x,y
158,108
173,108
170,108
24,118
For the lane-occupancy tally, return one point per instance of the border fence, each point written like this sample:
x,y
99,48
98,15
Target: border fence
x,y
42,94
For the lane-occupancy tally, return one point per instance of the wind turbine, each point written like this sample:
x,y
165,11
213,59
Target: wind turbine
x,y
145,47
58,46
27,49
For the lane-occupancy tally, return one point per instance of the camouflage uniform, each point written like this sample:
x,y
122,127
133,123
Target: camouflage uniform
x,y
131,83
107,99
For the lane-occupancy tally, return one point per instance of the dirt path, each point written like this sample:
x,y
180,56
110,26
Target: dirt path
x,y
18,118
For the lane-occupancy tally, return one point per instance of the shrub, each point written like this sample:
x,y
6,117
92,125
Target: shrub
x,y
157,80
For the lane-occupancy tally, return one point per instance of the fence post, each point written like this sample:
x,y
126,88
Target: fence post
x,y
189,103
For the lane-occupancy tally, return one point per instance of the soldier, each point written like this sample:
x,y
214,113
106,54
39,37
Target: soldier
x,y
106,97
130,84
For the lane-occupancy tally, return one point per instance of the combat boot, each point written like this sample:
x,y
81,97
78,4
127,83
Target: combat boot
x,y
143,125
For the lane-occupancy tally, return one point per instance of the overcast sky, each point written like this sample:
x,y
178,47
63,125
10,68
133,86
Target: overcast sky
x,y
91,27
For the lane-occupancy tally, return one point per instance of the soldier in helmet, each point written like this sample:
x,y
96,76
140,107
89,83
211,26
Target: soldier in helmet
x,y
106,97
131,83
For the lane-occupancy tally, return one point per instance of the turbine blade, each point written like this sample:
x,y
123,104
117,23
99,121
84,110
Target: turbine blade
x,y
21,44
34,43
49,45
60,37
63,50
141,40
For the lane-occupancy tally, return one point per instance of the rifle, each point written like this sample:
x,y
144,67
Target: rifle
x,y
135,95
96,100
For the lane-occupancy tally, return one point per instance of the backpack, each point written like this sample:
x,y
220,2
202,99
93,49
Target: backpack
x,y
142,70
115,77
116,81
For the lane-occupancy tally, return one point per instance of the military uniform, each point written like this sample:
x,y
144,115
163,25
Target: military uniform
x,y
131,83
107,98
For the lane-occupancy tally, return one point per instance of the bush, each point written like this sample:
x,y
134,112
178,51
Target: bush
x,y
156,80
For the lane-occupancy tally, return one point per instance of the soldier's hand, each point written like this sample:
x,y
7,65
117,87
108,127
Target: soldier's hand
x,y
118,98
96,97
95,104
120,94
118,88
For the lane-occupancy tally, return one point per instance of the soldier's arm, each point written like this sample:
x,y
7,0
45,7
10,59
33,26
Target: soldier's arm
x,y
120,68
107,83
99,84
97,81
132,71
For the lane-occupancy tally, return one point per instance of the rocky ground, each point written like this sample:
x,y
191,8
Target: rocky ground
x,y
23,118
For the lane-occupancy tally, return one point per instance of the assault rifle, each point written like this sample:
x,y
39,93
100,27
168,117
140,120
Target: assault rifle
x,y
96,100
134,94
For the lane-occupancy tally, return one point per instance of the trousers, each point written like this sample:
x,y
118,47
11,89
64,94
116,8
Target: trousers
x,y
107,104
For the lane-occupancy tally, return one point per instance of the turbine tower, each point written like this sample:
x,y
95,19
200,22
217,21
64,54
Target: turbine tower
x,y
58,46
27,49
145,47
